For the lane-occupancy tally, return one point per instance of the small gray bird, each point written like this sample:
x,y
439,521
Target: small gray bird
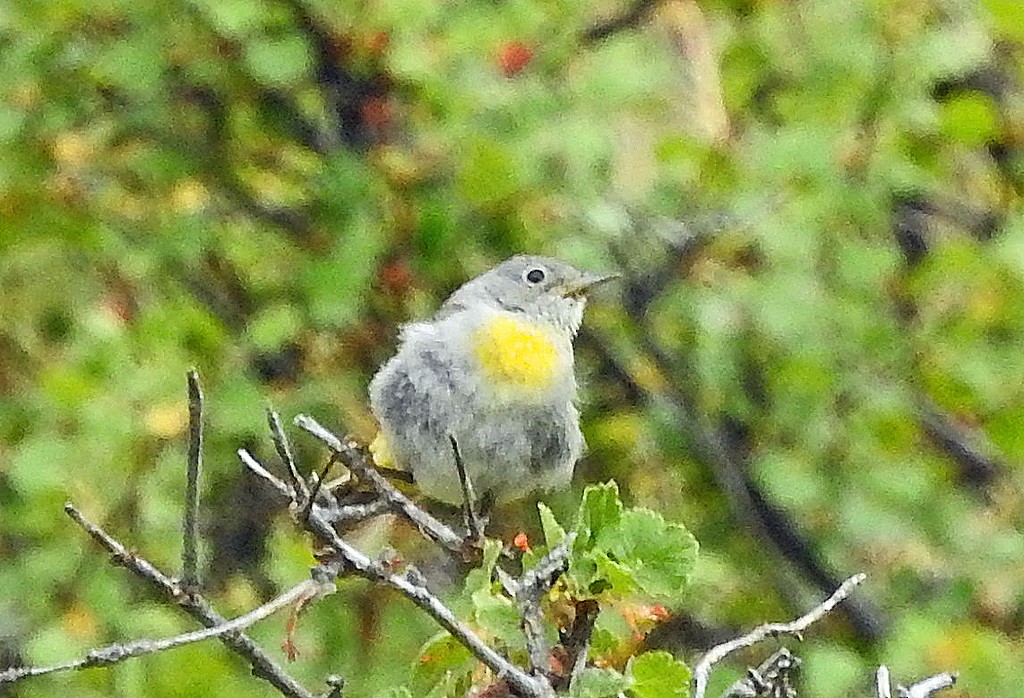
x,y
493,370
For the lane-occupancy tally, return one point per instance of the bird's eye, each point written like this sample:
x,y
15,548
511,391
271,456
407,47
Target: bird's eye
x,y
534,276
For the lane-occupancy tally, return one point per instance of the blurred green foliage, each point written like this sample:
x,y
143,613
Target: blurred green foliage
x,y
816,367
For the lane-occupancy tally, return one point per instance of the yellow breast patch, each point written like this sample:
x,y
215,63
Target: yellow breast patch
x,y
514,354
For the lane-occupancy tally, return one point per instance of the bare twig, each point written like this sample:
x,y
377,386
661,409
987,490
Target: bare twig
x,y
527,592
922,689
702,671
928,686
285,452
354,458
332,512
257,468
194,604
349,559
772,677
318,482
113,654
190,547
473,523
882,682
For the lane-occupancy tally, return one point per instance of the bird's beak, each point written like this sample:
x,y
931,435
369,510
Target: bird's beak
x,y
582,285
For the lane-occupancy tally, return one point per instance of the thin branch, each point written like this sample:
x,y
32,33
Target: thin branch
x,y
882,682
332,512
928,686
119,652
353,457
527,592
349,559
263,666
285,452
576,643
473,522
772,677
257,468
702,671
921,689
633,15
190,547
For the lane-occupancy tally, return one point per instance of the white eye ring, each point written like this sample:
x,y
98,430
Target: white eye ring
x,y
534,275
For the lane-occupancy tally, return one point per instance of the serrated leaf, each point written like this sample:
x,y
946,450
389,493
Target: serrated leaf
x,y
661,555
598,683
621,552
553,531
659,675
599,512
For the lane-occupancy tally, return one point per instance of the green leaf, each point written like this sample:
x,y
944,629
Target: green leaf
x,y
621,552
970,118
442,658
480,578
1007,17
553,531
661,555
598,683
599,513
278,61
274,326
659,675
498,616
488,176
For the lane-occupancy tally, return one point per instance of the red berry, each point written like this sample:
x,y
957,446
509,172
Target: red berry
x,y
513,57
521,542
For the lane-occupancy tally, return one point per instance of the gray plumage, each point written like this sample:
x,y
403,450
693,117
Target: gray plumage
x,y
513,441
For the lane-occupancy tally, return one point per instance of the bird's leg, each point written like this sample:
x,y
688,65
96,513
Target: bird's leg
x,y
474,524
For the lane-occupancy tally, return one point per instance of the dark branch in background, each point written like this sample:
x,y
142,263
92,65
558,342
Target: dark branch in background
x,y
978,470
630,17
217,159
190,547
980,467
345,92
683,242
913,212
726,459
720,445
1000,84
